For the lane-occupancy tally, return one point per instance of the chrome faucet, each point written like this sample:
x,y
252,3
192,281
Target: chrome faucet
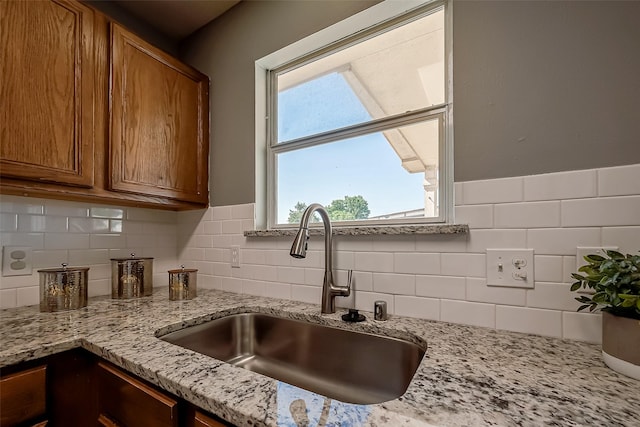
x,y
299,250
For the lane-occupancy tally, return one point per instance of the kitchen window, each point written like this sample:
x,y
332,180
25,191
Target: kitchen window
x,y
361,126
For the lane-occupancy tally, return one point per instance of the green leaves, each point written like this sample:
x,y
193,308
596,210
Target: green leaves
x,y
615,281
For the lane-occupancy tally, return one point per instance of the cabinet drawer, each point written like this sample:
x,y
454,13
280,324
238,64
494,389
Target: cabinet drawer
x,y
23,396
129,402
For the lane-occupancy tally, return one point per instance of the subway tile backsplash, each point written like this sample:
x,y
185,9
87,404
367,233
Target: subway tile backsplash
x,y
432,277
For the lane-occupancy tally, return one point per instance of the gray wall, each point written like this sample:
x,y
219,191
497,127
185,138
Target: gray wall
x,y
135,24
538,86
545,86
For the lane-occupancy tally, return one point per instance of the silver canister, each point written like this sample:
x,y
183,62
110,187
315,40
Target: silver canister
x,y
183,283
63,288
131,277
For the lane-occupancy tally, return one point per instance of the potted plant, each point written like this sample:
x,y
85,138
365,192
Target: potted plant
x,y
614,284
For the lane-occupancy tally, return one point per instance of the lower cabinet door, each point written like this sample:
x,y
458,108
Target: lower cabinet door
x,y
202,420
23,397
125,401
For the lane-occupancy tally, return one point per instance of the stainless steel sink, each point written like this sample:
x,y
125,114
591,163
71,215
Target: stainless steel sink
x,y
353,367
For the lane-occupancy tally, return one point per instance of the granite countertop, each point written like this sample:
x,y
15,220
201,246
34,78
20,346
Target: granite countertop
x,y
469,376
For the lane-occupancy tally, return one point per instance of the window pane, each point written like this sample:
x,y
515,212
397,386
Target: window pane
x,y
398,71
384,175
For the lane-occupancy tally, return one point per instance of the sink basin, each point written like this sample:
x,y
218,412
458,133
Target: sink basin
x,y
353,367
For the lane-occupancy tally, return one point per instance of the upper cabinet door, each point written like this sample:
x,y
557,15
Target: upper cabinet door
x,y
46,91
159,118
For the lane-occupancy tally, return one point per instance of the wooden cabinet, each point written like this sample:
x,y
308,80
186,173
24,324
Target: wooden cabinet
x,y
202,420
23,398
91,112
159,135
46,91
125,401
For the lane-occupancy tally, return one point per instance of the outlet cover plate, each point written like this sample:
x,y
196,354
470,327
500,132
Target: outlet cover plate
x,y
510,268
235,256
17,261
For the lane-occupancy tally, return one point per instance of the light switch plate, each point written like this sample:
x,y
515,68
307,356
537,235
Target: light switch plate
x,y
510,268
17,261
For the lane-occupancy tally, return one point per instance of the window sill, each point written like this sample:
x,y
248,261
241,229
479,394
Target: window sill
x,y
368,231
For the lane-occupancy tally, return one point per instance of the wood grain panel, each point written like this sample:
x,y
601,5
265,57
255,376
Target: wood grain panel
x,y
23,396
202,420
129,402
159,122
46,91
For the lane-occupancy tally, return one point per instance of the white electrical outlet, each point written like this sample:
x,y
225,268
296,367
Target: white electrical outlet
x,y
17,261
582,251
235,256
510,268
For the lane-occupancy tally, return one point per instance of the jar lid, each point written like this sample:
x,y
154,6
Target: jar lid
x,y
132,258
183,270
63,269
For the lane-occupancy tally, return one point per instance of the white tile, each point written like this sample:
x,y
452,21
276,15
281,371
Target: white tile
x,y
560,185
277,290
134,227
416,263
458,190
266,273
475,216
111,241
222,269
547,268
35,240
213,227
18,205
554,296
66,241
561,241
242,211
89,256
44,259
422,308
8,222
99,271
99,287
394,243
399,284
153,215
89,225
609,211
527,215
477,290
503,190
213,254
627,239
344,260
468,313
28,296
8,298
221,212
279,258
253,287
619,181
348,243
11,282
568,267
232,227
101,212
116,225
481,240
472,265
441,287
373,261
313,276
215,241
365,301
441,243
69,209
309,294
314,259
291,275
248,225
582,326
40,223
362,281
529,320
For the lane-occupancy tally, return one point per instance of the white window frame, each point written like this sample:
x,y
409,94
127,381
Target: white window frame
x,y
384,15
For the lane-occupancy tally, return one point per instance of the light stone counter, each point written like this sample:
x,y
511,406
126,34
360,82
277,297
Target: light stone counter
x,y
468,377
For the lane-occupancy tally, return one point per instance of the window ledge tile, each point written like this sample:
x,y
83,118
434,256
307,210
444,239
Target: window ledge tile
x,y
367,231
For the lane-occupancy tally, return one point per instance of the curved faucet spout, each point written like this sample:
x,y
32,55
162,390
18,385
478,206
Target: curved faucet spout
x,y
299,250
